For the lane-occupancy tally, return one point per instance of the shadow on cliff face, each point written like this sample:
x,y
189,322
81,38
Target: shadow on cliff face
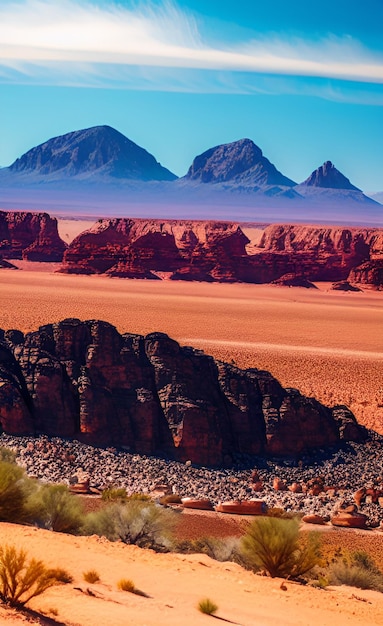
x,y
84,380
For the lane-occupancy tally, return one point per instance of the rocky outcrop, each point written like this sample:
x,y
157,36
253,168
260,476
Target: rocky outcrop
x,y
216,251
84,380
240,162
294,280
368,273
30,236
97,151
5,265
344,285
135,248
319,252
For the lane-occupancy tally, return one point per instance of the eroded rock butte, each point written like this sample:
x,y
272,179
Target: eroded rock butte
x,y
84,380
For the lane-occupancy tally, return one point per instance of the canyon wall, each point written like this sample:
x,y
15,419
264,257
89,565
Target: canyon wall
x,y
216,251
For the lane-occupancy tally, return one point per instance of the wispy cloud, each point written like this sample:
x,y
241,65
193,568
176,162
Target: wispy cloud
x,y
149,45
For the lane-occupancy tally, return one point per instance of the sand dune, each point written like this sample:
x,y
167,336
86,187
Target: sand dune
x,y
175,583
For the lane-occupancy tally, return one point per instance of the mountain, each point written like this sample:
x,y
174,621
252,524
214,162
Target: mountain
x,y
378,196
240,162
100,172
328,177
100,151
327,184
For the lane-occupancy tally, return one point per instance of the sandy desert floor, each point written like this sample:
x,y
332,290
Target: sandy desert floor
x,y
175,583
327,344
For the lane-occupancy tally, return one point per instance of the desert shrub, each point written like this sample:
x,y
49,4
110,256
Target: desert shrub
x,y
113,493
218,549
274,545
141,497
141,523
358,570
207,606
276,511
53,507
22,580
15,487
125,584
7,455
91,576
61,575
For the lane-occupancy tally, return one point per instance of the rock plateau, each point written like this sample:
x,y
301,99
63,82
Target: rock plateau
x,y
216,251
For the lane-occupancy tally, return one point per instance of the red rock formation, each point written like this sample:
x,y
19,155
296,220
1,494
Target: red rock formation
x,y
136,248
85,380
216,251
293,280
368,273
324,253
31,236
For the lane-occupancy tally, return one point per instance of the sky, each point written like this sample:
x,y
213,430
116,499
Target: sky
x,y
303,80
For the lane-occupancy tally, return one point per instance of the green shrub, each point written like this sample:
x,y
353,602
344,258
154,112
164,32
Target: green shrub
x,y
274,545
20,580
15,487
141,523
91,576
207,606
359,570
113,493
53,507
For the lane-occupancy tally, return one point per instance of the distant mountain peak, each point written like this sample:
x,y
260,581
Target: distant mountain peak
x,y
328,177
239,162
96,151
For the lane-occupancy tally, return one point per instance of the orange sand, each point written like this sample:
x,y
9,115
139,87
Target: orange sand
x,y
175,583
327,344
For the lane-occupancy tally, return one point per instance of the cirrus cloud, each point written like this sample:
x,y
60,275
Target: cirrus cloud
x,y
81,43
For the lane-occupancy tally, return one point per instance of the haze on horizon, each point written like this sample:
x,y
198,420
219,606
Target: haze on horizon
x,y
180,77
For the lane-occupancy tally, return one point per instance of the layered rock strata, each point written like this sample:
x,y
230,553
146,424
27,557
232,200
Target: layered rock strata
x,y
30,236
84,380
217,251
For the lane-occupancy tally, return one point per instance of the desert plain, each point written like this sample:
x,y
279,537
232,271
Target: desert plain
x,y
327,344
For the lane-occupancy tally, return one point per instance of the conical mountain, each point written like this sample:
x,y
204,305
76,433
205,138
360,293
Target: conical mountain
x,y
98,151
328,177
240,162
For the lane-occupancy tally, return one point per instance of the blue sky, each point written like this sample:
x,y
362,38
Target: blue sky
x,y
303,80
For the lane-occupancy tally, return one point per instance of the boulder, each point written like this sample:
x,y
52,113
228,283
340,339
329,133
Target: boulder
x,y
349,520
313,518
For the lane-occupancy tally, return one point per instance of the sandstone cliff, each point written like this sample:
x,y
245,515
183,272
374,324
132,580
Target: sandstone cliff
x,y
135,248
30,236
320,252
84,380
216,251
